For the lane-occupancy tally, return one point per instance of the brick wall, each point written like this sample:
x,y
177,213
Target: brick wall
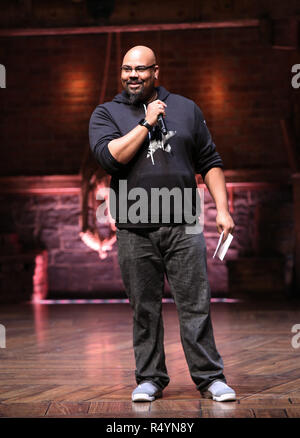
x,y
53,85
52,222
76,13
241,83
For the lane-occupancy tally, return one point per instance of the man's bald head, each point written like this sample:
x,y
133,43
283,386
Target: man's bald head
x,y
139,54
139,73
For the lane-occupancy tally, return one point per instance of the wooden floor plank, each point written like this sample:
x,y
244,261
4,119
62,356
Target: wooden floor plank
x,y
176,405
136,414
38,393
294,399
23,409
117,407
270,413
293,412
258,402
13,392
67,408
233,412
77,360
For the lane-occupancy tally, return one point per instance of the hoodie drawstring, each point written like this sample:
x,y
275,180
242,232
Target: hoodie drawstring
x,y
149,135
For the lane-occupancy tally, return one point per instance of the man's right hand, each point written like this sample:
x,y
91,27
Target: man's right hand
x,y
154,109
124,148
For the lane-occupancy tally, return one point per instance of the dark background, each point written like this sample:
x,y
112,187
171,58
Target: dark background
x,y
238,71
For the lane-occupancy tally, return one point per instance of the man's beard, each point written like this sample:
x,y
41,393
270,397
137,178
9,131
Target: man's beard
x,y
135,98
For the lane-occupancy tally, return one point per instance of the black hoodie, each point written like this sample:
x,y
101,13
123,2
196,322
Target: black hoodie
x,y
161,162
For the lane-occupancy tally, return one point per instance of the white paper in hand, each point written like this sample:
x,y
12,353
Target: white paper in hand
x,y
219,243
222,248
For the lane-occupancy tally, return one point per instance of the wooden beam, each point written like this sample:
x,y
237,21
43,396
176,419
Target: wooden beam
x,y
15,32
41,185
285,47
241,179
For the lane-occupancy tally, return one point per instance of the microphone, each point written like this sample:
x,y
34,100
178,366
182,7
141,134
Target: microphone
x,y
161,124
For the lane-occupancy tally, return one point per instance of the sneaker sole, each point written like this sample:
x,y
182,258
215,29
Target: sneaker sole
x,y
145,397
224,397
220,398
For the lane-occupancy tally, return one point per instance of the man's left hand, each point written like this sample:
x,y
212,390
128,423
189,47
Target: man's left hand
x,y
224,223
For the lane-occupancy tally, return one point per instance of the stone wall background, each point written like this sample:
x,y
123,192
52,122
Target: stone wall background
x,y
239,76
263,219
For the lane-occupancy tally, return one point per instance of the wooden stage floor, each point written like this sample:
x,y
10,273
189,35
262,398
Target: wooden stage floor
x,y
76,360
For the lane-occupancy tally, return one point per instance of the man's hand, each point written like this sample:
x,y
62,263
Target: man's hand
x,y
224,223
215,181
154,109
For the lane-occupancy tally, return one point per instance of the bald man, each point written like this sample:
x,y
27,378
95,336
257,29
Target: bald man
x,y
140,88
158,239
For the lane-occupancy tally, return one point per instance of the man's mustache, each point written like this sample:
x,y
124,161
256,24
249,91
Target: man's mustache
x,y
134,82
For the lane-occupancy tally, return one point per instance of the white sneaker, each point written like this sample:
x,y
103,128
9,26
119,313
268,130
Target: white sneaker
x,y
219,391
146,391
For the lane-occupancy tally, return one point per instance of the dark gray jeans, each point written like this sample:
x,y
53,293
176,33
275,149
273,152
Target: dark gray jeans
x,y
144,258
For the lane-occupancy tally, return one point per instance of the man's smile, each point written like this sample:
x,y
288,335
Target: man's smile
x,y
134,84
